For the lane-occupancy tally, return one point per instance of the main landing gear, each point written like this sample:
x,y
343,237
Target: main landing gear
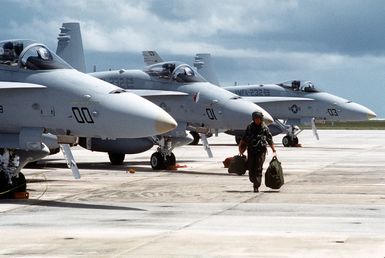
x,y
11,179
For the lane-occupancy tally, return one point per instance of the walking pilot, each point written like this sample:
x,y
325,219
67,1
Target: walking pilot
x,y
256,138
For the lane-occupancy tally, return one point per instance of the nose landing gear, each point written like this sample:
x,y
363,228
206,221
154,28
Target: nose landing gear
x,y
160,161
163,158
290,141
11,179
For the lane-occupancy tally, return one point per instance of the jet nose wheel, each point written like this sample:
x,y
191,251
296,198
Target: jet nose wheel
x,y
289,141
286,141
158,161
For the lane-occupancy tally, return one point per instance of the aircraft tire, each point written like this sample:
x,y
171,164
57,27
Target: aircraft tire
x,y
295,141
116,158
4,186
18,185
196,137
157,161
171,160
286,141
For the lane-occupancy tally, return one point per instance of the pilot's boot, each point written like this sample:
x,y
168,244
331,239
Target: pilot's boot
x,y
257,183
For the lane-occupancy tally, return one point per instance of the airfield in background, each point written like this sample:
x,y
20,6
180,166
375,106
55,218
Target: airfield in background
x,y
376,124
332,204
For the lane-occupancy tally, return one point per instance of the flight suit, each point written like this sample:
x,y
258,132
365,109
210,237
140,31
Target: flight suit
x,y
257,138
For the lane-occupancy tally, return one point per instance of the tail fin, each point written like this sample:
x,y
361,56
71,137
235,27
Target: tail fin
x,y
204,67
70,46
151,57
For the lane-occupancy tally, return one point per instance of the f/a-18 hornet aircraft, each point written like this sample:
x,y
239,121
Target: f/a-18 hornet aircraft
x,y
41,94
194,103
290,103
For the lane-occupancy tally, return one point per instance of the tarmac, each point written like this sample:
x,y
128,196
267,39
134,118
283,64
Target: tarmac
x,y
332,204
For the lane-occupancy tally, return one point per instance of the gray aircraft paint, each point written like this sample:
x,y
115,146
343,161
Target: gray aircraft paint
x,y
192,101
295,102
40,94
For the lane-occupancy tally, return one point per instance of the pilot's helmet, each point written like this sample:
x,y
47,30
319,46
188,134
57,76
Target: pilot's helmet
x,y
8,45
257,114
169,66
18,48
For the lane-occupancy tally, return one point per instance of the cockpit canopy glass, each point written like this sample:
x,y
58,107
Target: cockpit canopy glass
x,y
297,85
174,71
30,55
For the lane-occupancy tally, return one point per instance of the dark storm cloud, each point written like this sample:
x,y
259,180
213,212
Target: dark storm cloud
x,y
339,44
347,27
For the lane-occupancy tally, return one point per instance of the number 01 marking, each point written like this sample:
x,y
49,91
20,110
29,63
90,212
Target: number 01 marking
x,y
210,114
82,115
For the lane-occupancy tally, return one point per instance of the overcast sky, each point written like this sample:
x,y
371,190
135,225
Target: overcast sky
x,y
339,45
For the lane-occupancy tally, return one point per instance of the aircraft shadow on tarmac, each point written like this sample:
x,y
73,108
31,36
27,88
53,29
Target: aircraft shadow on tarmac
x,y
220,144
250,191
61,204
192,172
140,166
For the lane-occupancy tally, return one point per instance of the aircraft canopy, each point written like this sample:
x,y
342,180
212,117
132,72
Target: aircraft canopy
x,y
175,71
29,55
297,85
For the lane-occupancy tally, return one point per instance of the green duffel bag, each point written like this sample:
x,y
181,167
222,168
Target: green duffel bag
x,y
274,174
238,165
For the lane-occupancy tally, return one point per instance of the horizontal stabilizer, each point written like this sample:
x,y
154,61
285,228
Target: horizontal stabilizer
x,y
19,85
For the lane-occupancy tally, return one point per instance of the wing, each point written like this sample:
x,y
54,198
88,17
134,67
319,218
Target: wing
x,y
19,85
151,57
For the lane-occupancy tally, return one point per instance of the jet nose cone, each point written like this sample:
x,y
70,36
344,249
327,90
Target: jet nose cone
x,y
360,112
152,119
267,118
371,114
127,115
239,114
165,123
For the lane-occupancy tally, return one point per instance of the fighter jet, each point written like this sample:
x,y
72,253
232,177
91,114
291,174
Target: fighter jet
x,y
41,94
194,103
295,102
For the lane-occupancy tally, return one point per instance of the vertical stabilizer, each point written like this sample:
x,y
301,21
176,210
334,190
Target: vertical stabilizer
x,y
70,46
205,68
151,57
